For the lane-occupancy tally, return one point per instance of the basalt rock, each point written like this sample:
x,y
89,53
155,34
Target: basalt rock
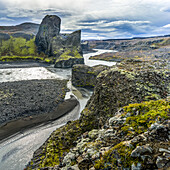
x,y
53,44
49,28
85,76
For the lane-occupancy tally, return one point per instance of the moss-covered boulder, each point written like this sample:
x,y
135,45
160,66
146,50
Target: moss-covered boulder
x,y
68,59
85,76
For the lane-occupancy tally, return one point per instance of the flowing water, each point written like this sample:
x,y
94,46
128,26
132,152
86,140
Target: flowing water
x,y
16,151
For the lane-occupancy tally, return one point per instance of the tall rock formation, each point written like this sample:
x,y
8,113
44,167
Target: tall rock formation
x,y
65,48
49,28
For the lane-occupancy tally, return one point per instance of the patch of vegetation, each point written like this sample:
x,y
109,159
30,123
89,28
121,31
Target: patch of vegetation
x,y
119,153
16,49
69,54
16,58
62,140
18,46
142,115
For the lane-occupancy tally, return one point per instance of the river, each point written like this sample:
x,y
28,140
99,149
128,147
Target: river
x,y
17,150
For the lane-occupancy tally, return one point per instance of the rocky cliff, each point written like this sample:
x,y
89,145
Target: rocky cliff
x,y
115,130
65,48
85,76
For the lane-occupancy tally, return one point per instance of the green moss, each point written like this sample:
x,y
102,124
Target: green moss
x,y
69,54
109,159
16,58
62,140
18,47
142,115
130,75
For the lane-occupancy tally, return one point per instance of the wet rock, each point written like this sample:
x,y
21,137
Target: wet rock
x,y
68,63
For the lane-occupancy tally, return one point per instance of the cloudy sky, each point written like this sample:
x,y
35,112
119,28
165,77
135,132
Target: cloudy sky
x,y
100,19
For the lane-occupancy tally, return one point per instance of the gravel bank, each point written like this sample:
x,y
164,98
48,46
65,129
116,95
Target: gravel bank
x,y
27,98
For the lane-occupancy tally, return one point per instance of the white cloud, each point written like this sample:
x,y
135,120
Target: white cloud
x,y
166,26
5,19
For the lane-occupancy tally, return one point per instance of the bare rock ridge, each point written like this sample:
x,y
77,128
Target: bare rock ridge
x,y
66,48
25,28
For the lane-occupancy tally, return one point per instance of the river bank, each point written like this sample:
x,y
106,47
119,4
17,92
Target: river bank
x,y
17,150
21,124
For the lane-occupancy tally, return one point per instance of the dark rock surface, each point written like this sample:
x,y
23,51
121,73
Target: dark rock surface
x,y
65,42
49,28
85,76
26,98
68,63
85,47
53,44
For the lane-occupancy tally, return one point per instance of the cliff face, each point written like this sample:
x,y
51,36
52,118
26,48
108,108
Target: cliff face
x,y
53,44
49,28
85,76
107,137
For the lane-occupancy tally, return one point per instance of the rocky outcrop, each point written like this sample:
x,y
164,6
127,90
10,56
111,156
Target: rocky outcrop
x,y
85,76
49,28
123,144
106,137
68,62
53,44
85,47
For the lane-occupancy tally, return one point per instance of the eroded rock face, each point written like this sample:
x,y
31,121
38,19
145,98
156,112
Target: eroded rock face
x,y
49,28
53,44
85,76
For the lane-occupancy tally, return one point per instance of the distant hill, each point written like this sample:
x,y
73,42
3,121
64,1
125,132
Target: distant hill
x,y
27,28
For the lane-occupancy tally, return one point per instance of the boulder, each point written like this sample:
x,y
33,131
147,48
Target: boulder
x,y
85,76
